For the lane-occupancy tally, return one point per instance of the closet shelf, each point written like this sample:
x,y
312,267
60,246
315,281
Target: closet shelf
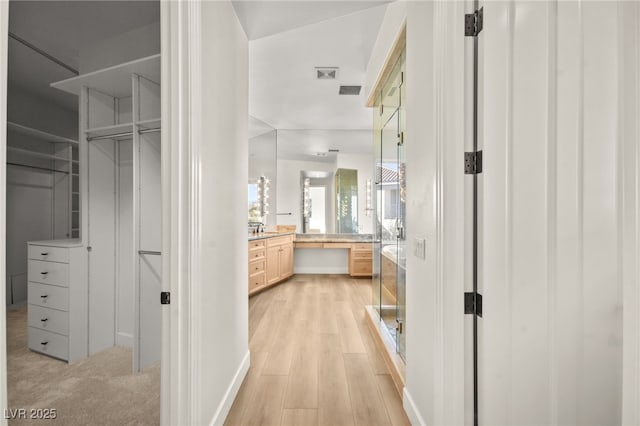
x,y
114,81
39,134
37,154
153,123
113,129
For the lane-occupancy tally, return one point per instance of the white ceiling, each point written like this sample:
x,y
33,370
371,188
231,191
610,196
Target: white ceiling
x,y
304,145
62,29
261,18
283,89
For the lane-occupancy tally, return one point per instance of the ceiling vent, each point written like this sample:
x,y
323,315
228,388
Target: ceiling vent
x,y
334,150
350,90
326,73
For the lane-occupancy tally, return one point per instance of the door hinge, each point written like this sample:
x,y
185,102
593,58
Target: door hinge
x,y
165,298
401,139
472,162
473,304
473,23
381,109
399,326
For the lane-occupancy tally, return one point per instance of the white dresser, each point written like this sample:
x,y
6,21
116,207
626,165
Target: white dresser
x,y
57,295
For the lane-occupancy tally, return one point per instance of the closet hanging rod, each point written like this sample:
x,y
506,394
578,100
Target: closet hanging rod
x,y
117,135
157,129
121,135
43,53
37,168
156,253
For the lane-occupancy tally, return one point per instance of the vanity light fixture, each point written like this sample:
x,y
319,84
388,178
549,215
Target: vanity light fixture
x,y
306,203
263,196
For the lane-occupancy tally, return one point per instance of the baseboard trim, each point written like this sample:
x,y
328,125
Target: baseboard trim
x,y
124,339
230,395
410,408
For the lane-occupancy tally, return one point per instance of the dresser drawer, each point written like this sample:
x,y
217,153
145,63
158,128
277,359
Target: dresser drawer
x,y
256,244
49,319
41,271
256,254
256,267
49,343
278,241
361,254
256,281
52,254
362,247
49,296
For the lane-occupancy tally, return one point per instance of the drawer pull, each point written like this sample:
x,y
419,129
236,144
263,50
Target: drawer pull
x,y
44,343
44,319
44,296
44,273
44,253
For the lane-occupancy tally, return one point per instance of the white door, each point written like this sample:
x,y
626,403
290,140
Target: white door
x,y
550,268
148,217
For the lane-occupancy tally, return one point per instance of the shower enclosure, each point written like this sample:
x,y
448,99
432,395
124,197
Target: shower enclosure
x,y
389,264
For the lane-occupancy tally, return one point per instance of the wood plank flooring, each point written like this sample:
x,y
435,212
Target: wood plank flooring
x,y
313,359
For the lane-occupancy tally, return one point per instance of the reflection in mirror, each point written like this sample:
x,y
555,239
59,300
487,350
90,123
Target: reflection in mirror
x,y
262,165
316,193
346,201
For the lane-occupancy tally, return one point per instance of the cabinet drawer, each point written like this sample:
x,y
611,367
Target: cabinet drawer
x,y
363,247
278,241
256,267
256,254
361,254
48,272
256,244
52,254
256,281
49,343
361,267
49,319
49,296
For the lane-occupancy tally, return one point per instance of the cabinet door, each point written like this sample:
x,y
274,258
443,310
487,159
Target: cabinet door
x,y
273,264
286,261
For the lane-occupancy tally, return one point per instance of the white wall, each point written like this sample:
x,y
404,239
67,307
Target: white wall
x,y
222,113
125,276
434,143
134,44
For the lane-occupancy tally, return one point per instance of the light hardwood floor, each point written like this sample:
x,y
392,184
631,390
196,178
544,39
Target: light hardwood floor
x,y
313,359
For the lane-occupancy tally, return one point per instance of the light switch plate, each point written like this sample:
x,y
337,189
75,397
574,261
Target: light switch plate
x,y
420,247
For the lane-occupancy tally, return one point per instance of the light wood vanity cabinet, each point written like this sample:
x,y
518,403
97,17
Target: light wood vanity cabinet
x,y
270,261
361,260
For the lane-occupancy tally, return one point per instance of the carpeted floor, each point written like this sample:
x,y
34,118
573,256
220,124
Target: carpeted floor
x,y
98,390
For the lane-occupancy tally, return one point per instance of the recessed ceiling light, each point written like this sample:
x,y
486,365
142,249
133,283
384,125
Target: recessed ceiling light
x,y
326,73
321,154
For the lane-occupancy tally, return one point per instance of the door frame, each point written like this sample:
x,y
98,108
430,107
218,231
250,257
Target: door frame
x,y
4,36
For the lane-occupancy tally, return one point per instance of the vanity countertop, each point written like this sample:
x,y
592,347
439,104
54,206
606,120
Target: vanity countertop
x,y
334,238
265,235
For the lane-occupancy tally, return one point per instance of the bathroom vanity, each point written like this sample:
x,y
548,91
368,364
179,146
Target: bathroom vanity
x,y
270,259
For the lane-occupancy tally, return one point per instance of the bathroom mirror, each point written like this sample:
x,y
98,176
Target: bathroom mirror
x,y
316,192
346,212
